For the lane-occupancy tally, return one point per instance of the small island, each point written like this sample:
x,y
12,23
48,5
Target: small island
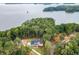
x,y
66,8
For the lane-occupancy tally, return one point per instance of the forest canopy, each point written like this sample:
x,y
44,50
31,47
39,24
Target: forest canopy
x,y
43,28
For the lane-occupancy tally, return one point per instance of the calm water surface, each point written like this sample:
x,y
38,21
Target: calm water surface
x,y
15,14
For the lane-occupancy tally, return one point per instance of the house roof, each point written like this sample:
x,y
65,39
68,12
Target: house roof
x,y
36,41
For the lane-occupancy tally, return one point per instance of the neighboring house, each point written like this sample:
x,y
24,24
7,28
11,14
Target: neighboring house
x,y
36,43
25,42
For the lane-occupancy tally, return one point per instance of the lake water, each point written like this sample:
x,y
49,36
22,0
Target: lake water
x,y
13,15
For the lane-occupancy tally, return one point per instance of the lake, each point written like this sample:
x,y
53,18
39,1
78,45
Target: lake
x,y
12,15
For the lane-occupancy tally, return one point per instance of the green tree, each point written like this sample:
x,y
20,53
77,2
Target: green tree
x,y
70,27
17,41
8,47
23,50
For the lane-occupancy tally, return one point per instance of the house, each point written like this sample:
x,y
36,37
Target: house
x,y
36,43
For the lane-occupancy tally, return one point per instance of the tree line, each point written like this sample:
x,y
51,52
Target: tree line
x,y
39,27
